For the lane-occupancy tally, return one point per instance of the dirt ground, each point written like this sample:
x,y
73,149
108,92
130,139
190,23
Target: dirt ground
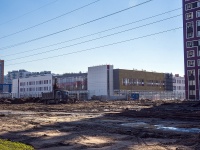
x,y
105,125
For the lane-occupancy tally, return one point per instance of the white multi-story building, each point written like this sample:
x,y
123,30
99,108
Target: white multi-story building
x,y
100,80
15,74
32,86
179,86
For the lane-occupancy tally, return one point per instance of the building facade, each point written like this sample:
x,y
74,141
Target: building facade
x,y
191,32
100,80
15,74
179,86
32,86
72,81
135,80
75,83
1,71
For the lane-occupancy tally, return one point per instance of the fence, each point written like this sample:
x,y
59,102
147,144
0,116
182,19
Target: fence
x,y
5,95
81,95
120,94
152,95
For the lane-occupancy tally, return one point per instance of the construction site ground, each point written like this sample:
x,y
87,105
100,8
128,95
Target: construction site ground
x,y
105,125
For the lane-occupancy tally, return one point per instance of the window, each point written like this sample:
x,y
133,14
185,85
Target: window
x,y
192,92
189,44
188,6
198,33
39,88
198,28
198,4
45,88
198,23
189,15
198,62
198,13
22,83
22,89
191,82
190,29
190,54
190,34
32,83
190,72
190,63
45,81
40,82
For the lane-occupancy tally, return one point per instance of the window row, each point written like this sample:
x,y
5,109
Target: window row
x,y
73,86
71,79
191,53
140,82
190,44
193,5
179,81
192,73
35,82
190,15
190,29
22,95
178,88
35,89
191,63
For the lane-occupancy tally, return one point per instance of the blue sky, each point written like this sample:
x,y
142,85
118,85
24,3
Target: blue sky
x,y
160,53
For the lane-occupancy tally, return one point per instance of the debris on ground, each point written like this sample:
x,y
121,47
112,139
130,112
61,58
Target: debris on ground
x,y
130,125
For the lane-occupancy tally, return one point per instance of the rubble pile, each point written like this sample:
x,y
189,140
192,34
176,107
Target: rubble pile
x,y
185,110
19,100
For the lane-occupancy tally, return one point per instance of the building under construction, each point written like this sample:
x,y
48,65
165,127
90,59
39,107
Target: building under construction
x,y
142,80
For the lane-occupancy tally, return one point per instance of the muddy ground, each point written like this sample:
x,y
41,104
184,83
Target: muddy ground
x,y
105,125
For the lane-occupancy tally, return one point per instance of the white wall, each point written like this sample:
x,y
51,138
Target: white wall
x,y
111,80
98,81
179,86
15,88
32,86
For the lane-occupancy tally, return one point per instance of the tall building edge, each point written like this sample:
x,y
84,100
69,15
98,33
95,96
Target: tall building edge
x,y
185,50
191,40
1,71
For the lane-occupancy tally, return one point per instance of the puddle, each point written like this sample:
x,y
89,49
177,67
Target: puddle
x,y
10,112
189,130
135,124
161,127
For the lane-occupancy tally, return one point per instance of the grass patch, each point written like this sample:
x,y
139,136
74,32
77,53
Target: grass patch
x,y
9,145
